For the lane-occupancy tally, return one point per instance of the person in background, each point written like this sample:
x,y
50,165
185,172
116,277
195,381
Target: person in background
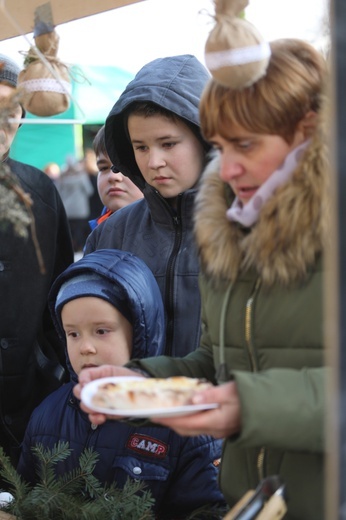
x,y
115,189
108,308
261,224
52,169
153,137
75,189
32,358
95,204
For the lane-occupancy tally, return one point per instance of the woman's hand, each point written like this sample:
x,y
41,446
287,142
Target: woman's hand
x,y
89,374
219,422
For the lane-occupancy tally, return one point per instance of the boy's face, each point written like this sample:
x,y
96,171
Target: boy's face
x,y
115,189
168,154
96,333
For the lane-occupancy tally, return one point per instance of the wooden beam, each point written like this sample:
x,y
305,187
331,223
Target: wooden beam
x,y
17,16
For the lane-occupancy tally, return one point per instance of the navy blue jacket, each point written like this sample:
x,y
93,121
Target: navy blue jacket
x,y
150,228
181,472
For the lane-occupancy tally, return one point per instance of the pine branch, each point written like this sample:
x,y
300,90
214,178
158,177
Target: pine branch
x,y
87,462
78,495
48,459
10,475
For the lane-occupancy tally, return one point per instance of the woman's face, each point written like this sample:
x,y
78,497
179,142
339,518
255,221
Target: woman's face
x,y
249,159
168,154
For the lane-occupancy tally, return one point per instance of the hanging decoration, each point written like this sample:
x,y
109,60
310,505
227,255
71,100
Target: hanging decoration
x,y
235,52
45,80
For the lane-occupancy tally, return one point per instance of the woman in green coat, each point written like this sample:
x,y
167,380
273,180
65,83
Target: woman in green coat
x,y
260,222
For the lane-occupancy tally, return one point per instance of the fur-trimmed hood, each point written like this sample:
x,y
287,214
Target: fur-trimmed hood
x,y
289,235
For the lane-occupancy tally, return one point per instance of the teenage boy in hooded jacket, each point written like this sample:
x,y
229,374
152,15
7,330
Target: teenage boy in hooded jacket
x,y
153,137
180,472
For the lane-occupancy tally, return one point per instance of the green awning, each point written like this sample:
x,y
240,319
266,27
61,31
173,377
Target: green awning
x,y
95,89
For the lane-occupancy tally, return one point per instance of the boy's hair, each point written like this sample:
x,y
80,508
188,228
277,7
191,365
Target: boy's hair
x,y
291,87
150,109
99,143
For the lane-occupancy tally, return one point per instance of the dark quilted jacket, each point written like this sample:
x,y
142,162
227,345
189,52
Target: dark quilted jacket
x,y
27,333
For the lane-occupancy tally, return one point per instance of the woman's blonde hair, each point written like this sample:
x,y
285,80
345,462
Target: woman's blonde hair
x,y
291,87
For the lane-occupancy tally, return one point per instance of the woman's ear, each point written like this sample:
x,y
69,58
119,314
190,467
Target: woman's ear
x,y
308,124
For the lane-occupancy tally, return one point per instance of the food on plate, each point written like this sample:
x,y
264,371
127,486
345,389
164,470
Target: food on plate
x,y
148,393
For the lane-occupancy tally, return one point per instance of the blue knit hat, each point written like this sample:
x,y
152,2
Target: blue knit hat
x,y
9,71
91,284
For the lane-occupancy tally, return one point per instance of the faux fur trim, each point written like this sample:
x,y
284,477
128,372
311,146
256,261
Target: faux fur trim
x,y
289,235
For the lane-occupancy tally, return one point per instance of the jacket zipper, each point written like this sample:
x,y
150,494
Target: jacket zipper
x,y
254,367
248,326
169,296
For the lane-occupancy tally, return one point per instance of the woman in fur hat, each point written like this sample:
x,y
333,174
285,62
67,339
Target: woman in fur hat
x,y
260,224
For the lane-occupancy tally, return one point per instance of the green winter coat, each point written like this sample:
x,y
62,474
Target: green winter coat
x,y
268,282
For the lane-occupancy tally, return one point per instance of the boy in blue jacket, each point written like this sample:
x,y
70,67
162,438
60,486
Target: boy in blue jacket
x,y
115,189
108,308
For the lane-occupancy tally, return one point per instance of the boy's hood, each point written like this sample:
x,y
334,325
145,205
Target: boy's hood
x,y
174,83
136,279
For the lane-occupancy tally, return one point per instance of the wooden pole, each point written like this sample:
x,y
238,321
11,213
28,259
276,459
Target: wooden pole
x,y
335,288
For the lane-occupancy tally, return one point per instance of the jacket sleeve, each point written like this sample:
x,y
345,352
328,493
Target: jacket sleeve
x,y
26,467
282,408
64,254
49,343
91,242
195,482
197,364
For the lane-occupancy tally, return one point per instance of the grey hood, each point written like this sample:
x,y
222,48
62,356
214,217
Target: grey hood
x,y
174,83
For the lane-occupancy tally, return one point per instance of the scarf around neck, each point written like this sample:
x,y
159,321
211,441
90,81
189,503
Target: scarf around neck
x,y
247,215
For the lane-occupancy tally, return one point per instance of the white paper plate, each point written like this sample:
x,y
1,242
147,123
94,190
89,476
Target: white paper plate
x,y
89,390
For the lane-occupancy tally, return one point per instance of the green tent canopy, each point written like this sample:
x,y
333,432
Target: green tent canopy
x,y
95,89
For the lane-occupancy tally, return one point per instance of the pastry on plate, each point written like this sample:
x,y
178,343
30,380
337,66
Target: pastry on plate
x,y
147,393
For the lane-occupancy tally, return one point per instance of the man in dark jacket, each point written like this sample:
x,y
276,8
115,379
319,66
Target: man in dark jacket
x,y
31,355
153,137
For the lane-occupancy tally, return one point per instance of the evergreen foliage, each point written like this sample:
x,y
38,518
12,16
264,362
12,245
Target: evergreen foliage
x,y
78,495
